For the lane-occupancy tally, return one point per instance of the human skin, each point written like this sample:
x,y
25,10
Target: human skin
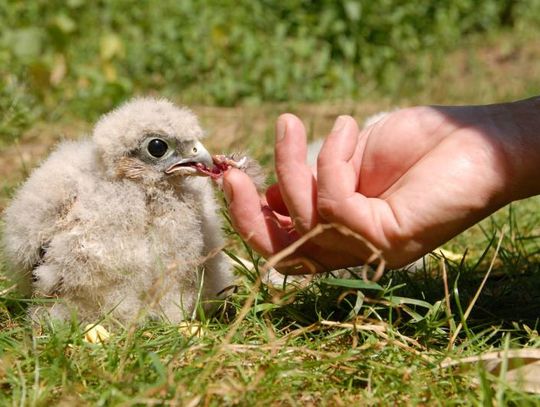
x,y
406,184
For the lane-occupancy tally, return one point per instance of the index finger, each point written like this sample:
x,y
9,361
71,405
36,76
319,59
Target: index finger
x,y
254,221
296,181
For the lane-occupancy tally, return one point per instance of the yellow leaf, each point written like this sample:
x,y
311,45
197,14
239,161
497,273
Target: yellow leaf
x,y
111,46
96,334
447,254
190,328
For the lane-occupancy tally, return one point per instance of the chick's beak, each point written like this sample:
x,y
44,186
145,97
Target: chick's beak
x,y
189,164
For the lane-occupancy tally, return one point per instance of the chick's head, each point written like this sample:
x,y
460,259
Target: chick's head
x,y
150,140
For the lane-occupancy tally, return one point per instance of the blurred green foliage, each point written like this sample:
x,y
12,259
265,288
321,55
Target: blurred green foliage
x,y
83,57
16,112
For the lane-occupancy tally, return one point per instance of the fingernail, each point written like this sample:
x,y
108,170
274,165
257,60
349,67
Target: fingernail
x,y
228,191
339,124
281,129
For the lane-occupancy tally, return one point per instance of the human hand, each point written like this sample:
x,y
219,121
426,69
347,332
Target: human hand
x,y
406,184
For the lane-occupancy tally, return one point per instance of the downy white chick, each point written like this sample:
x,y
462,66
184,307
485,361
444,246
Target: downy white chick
x,y
119,223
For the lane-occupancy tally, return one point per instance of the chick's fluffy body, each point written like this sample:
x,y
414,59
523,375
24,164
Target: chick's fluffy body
x,y
105,232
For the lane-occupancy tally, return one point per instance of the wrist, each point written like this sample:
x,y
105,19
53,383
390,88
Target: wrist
x,y
518,132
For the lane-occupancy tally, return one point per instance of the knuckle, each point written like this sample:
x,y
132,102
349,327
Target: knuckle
x,y
327,208
303,225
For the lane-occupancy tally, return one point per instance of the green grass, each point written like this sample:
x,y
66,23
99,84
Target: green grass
x,y
303,352
300,346
266,346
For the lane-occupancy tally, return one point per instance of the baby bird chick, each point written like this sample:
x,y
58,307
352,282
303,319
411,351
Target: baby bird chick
x,y
121,223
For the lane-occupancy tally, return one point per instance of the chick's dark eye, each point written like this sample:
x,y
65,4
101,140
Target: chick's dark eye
x,y
157,148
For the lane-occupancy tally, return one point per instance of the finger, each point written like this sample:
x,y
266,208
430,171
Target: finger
x,y
339,248
262,230
255,222
275,201
337,200
337,176
268,234
296,181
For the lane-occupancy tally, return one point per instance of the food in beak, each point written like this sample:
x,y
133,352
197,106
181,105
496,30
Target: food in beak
x,y
221,164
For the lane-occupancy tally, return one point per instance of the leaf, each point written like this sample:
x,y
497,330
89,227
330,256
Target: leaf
x,y
191,329
360,284
75,3
447,254
353,10
410,301
357,305
264,307
111,46
26,43
65,24
158,366
96,333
